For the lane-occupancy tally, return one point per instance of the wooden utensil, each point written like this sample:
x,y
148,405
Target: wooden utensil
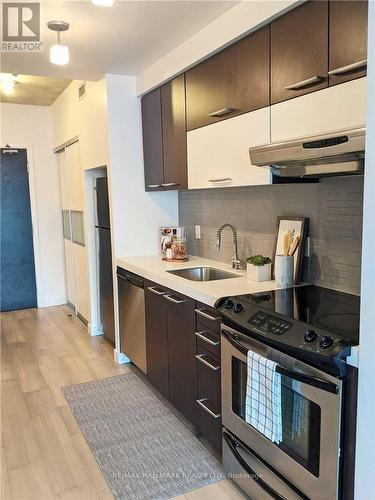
x,y
286,243
294,245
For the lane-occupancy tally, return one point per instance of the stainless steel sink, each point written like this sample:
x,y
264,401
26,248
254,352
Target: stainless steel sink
x,y
204,274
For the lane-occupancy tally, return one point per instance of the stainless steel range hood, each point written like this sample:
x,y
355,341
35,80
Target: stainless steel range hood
x,y
336,153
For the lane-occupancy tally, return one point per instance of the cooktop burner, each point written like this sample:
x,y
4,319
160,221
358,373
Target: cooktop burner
x,y
313,323
335,312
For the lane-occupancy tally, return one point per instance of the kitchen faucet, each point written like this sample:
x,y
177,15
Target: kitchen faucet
x,y
235,260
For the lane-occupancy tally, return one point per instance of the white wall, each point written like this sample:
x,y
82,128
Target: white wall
x,y
236,22
365,459
136,215
31,127
86,118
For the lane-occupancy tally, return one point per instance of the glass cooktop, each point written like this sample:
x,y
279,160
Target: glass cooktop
x,y
336,312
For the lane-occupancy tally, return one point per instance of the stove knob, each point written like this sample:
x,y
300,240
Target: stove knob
x,y
325,342
238,308
229,304
310,335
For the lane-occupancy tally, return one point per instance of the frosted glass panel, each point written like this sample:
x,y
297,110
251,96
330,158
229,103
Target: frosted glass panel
x,y
78,228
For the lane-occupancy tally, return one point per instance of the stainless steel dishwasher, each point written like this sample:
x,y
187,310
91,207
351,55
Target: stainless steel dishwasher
x,y
131,305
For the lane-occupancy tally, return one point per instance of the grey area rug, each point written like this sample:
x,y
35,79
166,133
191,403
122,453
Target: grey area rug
x,y
143,449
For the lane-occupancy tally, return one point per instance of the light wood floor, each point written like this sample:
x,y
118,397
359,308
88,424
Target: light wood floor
x,y
43,453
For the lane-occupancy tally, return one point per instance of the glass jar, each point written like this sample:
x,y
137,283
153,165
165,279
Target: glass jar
x,y
179,249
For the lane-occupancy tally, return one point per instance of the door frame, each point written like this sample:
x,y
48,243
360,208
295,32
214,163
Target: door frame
x,y
34,218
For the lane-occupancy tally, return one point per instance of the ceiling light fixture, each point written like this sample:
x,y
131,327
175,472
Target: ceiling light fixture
x,y
8,83
103,3
58,54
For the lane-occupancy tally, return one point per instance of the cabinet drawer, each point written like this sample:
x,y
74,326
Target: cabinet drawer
x,y
209,422
208,316
209,376
208,339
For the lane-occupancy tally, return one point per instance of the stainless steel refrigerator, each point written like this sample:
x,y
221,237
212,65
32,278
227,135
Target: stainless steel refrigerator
x,y
103,229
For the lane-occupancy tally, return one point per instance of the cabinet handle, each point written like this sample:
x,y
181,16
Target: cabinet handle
x,y
221,112
349,67
155,290
175,301
151,186
206,409
304,83
200,357
206,339
170,184
220,179
201,312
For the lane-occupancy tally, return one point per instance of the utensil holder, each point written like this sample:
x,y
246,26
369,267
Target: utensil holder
x,y
284,271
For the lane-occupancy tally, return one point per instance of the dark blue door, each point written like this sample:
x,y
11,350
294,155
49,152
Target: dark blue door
x,y
18,286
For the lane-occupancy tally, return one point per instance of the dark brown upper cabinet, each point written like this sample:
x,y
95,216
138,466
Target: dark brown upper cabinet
x,y
164,137
347,40
174,133
152,141
234,81
299,51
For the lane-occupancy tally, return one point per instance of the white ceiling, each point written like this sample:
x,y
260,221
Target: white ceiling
x,y
123,39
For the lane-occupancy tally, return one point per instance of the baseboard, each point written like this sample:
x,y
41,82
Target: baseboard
x,y
94,330
82,318
52,301
119,357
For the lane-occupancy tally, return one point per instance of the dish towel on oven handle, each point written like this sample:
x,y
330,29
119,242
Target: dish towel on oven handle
x,y
263,396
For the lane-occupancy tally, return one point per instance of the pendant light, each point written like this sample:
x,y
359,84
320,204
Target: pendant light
x,y
103,3
58,54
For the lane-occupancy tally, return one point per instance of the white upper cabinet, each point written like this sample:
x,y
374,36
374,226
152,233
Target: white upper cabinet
x,y
218,154
75,177
335,108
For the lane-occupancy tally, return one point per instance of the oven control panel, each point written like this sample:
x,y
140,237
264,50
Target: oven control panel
x,y
269,324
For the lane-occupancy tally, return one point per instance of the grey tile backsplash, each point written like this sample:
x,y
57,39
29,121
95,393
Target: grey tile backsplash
x,y
334,209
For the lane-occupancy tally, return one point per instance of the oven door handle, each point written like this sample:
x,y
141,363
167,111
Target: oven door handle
x,y
293,374
232,444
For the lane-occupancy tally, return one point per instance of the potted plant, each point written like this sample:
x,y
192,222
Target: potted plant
x,y
258,268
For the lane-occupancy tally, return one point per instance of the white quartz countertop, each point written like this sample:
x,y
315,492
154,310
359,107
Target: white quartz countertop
x,y
153,268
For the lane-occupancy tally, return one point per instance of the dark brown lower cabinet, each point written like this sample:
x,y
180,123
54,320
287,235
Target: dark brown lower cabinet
x,y
181,355
156,337
170,347
183,366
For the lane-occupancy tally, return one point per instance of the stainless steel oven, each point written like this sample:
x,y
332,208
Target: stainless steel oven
x,y
305,464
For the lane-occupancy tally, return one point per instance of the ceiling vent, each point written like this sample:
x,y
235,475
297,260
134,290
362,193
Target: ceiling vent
x,y
82,91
